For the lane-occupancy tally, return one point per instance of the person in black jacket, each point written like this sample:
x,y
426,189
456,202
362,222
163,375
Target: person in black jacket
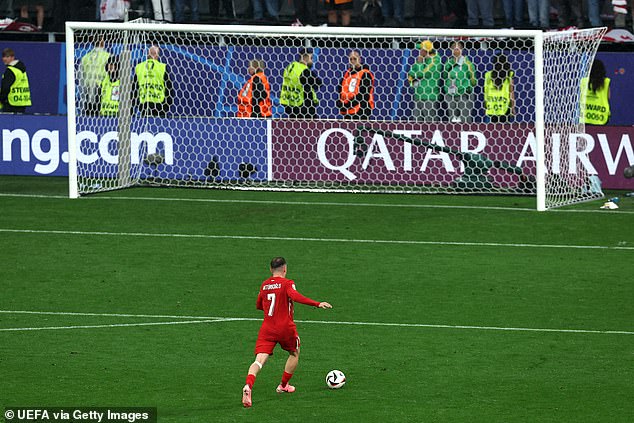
x,y
15,94
299,88
214,10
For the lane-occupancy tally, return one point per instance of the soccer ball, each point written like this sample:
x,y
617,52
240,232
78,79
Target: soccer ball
x,y
628,172
335,379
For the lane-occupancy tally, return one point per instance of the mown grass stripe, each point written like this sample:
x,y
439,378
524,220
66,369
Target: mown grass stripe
x,y
308,239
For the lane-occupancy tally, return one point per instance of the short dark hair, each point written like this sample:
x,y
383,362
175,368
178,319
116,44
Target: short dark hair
x,y
8,52
277,262
113,60
258,64
597,75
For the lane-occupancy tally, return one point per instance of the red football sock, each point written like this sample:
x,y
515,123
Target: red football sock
x,y
285,378
250,380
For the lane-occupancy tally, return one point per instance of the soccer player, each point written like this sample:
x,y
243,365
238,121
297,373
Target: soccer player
x,y
276,301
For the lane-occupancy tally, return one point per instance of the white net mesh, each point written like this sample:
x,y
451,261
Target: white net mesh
x,y
378,111
568,58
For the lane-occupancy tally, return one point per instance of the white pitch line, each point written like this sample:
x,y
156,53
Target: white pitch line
x,y
510,329
206,319
68,313
34,196
306,239
114,325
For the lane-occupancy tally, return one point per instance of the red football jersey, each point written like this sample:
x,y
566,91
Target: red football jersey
x,y
276,300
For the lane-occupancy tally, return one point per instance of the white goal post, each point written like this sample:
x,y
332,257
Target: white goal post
x,y
380,110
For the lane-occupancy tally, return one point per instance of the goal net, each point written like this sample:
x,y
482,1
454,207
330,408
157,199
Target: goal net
x,y
330,109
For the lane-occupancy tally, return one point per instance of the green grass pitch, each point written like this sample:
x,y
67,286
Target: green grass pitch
x,y
446,308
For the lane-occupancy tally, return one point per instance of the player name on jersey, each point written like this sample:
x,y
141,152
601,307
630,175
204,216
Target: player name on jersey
x,y
271,286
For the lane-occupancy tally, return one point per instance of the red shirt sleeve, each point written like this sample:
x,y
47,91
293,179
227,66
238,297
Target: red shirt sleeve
x,y
258,302
299,298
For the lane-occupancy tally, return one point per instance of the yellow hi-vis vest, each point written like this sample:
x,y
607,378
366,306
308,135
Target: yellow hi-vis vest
x,y
20,93
595,105
292,93
93,67
497,100
110,97
151,77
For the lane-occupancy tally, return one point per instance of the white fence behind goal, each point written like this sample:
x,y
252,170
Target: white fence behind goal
x,y
428,129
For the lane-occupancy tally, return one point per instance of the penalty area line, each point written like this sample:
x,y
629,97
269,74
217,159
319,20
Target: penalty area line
x,y
70,313
113,325
207,319
494,328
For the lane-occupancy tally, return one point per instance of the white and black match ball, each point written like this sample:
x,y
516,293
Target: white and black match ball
x,y
628,172
335,379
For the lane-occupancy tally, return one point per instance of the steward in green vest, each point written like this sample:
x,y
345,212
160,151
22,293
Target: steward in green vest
x,y
91,73
499,90
152,85
110,89
597,104
299,88
595,96
15,94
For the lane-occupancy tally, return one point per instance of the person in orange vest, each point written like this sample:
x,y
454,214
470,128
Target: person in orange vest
x,y
254,98
356,90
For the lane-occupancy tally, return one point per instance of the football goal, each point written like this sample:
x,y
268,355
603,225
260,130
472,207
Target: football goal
x,y
385,110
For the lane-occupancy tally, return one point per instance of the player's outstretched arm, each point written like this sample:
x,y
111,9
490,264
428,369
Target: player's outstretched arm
x,y
324,304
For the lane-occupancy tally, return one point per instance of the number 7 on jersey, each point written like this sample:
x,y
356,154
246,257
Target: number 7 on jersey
x,y
271,298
